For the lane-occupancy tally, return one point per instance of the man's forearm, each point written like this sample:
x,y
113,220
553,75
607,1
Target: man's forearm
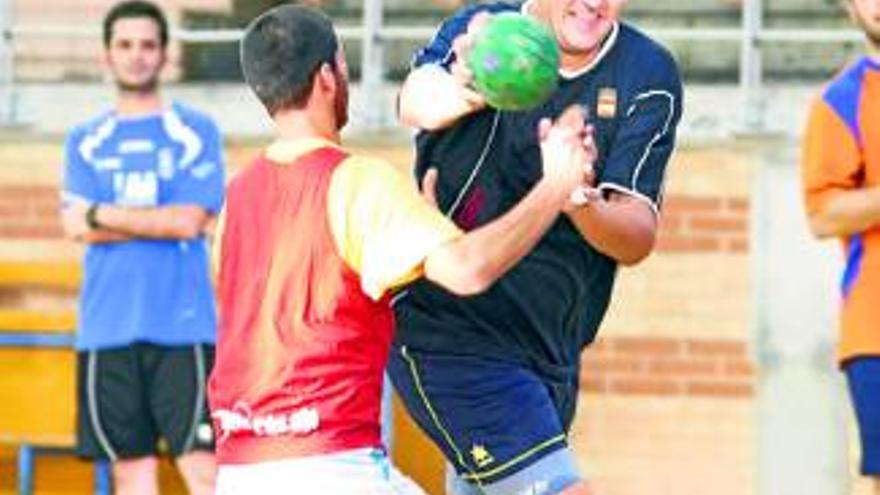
x,y
621,227
103,236
166,222
847,213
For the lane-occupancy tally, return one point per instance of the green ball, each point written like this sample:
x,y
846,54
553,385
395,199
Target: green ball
x,y
515,62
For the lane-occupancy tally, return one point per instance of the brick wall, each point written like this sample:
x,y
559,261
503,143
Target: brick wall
x,y
668,367
29,212
668,388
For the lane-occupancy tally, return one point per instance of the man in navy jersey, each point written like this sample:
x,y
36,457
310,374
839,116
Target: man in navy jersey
x,y
142,183
493,379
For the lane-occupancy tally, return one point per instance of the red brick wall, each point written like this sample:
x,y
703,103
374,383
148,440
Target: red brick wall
x,y
704,224
688,224
29,212
668,367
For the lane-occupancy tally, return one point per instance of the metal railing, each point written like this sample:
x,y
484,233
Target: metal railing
x,y
751,36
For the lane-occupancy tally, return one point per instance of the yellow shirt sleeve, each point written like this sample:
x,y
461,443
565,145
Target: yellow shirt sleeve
x,y
382,227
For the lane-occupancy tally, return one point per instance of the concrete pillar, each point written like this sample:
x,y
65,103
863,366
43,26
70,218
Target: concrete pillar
x,y
750,68
373,66
7,65
802,402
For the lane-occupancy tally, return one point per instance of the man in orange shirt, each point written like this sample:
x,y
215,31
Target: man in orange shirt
x,y
841,176
313,242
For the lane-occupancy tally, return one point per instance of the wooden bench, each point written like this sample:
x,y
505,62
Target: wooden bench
x,y
26,331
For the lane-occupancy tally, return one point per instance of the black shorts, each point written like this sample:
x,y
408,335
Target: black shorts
x,y
130,397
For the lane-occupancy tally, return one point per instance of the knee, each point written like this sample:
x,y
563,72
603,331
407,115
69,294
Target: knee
x,y
136,476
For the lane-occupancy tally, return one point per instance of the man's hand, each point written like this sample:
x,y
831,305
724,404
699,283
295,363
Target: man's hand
x,y
73,218
461,73
429,187
568,152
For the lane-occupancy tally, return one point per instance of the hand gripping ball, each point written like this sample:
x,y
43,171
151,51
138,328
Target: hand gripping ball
x,y
515,62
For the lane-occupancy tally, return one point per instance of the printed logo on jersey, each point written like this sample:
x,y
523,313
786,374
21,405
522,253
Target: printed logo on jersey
x,y
165,164
606,103
241,419
481,456
136,188
136,146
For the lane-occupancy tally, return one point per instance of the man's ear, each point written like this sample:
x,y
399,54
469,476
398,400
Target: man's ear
x,y
325,78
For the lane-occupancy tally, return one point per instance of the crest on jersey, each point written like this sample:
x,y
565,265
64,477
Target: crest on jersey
x,y
606,103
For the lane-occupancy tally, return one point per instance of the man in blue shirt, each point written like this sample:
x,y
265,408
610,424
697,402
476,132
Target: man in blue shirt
x,y
493,379
142,184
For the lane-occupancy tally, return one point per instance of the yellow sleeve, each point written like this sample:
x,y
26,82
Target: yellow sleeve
x,y
382,227
832,160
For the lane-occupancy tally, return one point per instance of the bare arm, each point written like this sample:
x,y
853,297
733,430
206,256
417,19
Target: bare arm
x,y
119,223
165,222
622,227
433,98
471,263
846,213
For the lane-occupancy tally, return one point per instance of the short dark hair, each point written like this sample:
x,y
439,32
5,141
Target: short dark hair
x,y
281,51
135,8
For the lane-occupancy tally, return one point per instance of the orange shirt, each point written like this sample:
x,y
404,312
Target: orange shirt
x,y
311,242
842,153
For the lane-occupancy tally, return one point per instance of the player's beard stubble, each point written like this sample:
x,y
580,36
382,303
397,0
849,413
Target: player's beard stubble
x,y
340,102
140,89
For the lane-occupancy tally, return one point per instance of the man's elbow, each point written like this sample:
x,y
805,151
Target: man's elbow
x,y
635,252
189,224
821,227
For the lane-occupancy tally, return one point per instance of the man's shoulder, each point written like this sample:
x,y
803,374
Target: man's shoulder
x,y
100,124
645,50
846,83
193,117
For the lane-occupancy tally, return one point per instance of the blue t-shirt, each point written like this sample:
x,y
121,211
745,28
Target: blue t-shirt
x,y
549,306
146,290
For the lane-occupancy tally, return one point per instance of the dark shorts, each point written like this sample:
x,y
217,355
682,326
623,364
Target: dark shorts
x,y
491,419
863,375
130,397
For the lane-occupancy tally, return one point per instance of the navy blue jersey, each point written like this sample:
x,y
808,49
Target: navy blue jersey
x,y
549,306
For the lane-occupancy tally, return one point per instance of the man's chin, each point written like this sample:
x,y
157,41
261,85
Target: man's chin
x,y
127,87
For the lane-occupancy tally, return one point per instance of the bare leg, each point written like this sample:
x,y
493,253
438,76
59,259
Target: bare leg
x,y
136,476
579,488
199,470
876,485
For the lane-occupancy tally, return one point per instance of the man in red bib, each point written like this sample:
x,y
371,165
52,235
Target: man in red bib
x,y
312,242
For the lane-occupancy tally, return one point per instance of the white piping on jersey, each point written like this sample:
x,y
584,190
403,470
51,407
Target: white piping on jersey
x,y
92,141
608,186
180,132
480,161
659,135
455,204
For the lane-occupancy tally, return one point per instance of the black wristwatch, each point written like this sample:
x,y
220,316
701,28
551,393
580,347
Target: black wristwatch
x,y
92,217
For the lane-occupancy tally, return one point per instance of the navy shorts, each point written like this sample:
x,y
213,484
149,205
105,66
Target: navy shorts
x,y
491,419
863,375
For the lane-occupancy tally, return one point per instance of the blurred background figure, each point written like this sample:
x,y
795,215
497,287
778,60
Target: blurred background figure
x,y
841,180
142,183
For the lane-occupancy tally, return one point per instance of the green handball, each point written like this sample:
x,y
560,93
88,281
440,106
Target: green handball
x,y
515,62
